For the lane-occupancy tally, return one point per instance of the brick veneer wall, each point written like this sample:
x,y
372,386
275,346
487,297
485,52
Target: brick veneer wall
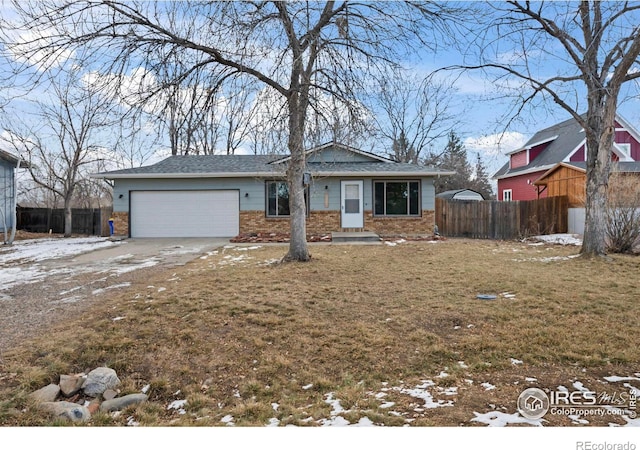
x,y
393,226
320,222
120,223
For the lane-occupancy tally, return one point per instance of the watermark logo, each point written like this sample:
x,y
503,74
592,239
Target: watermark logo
x,y
533,403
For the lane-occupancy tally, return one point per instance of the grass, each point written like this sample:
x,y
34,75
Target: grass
x,y
258,341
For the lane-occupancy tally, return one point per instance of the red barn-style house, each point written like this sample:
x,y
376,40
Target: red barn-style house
x,y
553,162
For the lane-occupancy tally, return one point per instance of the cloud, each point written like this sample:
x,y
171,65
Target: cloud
x,y
37,48
496,144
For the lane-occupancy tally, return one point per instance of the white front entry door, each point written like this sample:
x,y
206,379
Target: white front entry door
x,y
352,203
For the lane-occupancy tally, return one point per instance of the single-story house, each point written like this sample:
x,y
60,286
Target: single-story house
x,y
227,195
461,194
8,165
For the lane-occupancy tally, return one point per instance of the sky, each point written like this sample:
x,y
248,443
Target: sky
x,y
479,101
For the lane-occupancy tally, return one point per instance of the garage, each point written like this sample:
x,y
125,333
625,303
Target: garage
x,y
204,213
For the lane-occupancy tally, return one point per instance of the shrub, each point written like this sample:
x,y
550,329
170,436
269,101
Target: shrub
x,y
623,213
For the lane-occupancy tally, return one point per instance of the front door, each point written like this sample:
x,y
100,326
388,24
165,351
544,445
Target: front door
x,y
352,202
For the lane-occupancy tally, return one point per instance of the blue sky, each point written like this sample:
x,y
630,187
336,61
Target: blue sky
x,y
479,109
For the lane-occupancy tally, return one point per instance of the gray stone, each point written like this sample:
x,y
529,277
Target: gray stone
x,y
99,380
71,384
46,394
120,403
66,410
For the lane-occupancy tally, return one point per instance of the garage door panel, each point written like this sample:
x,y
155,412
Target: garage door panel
x,y
207,213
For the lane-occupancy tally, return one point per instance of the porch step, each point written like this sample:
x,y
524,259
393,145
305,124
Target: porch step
x,y
354,236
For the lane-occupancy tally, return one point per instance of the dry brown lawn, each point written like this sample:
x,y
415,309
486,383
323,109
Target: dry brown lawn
x,y
247,340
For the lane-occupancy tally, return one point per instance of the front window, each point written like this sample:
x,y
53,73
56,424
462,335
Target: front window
x,y
396,198
506,195
278,199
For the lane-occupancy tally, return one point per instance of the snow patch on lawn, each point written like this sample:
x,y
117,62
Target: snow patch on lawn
x,y
560,238
34,250
115,286
614,379
13,276
228,420
178,405
548,258
421,392
500,419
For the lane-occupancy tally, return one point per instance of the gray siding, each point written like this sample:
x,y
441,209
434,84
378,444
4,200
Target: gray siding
x,y
6,194
255,188
252,186
332,155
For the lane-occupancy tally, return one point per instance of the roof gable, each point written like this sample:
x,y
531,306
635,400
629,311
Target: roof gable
x,y
333,152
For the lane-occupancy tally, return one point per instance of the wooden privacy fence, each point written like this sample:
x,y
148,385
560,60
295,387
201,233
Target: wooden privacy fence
x,y
92,221
502,220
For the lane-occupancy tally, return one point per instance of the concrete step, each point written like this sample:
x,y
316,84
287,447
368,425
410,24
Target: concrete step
x,y
354,236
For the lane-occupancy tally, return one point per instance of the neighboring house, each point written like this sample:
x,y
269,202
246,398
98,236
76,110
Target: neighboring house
x,y
227,195
552,162
8,165
461,194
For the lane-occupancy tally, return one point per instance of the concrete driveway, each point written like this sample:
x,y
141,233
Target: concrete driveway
x,y
166,251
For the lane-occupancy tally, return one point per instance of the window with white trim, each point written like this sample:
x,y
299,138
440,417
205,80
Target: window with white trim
x,y
396,198
625,149
507,195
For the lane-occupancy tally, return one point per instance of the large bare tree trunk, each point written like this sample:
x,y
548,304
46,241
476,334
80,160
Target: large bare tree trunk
x,y
600,135
67,217
297,103
298,250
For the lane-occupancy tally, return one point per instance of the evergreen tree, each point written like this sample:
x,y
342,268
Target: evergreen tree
x,y
481,182
402,150
454,157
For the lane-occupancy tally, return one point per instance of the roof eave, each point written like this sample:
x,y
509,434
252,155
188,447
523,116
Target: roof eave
x,y
525,172
112,176
115,176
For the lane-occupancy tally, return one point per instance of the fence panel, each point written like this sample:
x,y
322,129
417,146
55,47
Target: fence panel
x,y
92,221
502,220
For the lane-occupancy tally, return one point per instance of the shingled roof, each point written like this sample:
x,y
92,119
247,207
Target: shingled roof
x,y
227,166
565,138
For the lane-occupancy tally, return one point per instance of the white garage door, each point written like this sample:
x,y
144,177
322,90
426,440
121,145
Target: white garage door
x,y
184,213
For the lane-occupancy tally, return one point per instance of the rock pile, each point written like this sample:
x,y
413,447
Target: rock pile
x,y
76,397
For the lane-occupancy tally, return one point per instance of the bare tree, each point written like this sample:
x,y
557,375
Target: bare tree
x,y
579,55
298,49
59,136
412,113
